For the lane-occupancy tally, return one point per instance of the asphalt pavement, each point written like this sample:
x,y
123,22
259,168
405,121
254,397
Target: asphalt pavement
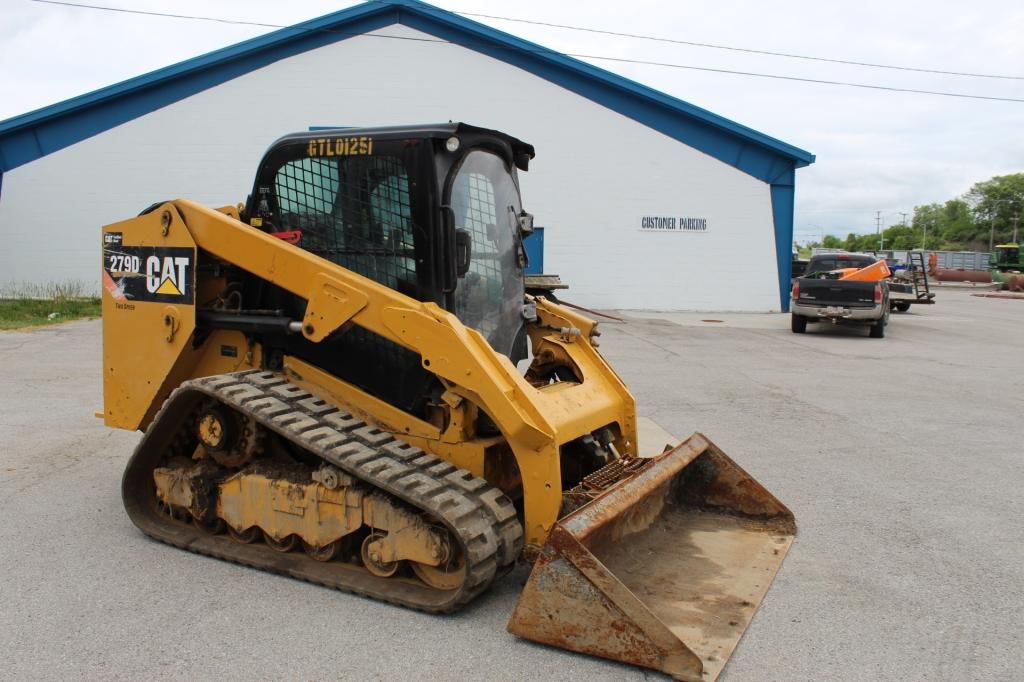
x,y
900,457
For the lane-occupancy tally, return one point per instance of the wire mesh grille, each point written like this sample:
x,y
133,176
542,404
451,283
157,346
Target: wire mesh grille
x,y
479,218
356,211
482,222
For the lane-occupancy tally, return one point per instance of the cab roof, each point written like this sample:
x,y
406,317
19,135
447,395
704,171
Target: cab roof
x,y
440,131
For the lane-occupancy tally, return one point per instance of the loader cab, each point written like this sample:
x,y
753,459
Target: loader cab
x,y
1005,255
433,212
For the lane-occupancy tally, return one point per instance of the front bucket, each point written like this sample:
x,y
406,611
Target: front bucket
x,y
664,569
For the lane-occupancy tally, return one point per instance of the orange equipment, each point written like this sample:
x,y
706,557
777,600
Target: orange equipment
x,y
878,270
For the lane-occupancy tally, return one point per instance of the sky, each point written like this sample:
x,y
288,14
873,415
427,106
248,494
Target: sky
x,y
876,150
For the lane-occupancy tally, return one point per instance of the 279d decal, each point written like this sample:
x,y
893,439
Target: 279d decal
x,y
165,274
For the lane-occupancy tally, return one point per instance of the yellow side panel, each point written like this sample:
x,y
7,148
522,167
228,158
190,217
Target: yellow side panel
x,y
148,275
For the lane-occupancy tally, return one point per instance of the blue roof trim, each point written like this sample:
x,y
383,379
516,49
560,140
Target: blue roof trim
x,y
30,136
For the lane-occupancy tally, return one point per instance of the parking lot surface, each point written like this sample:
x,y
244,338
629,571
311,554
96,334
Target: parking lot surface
x,y
900,457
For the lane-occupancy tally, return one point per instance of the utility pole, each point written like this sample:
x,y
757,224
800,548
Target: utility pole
x,y
905,223
992,222
878,228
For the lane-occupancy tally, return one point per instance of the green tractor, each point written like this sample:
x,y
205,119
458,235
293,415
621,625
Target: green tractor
x,y
1007,257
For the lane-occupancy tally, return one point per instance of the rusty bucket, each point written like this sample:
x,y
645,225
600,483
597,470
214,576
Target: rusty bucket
x,y
664,569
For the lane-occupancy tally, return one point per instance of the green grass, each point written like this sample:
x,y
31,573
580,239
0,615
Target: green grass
x,y
33,305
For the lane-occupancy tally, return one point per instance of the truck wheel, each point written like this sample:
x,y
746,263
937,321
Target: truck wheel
x,y
798,323
902,307
878,329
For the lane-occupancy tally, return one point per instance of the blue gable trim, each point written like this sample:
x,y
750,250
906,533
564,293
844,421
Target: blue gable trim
x,y
33,135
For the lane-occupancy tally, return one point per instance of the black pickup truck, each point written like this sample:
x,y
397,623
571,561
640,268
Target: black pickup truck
x,y
820,295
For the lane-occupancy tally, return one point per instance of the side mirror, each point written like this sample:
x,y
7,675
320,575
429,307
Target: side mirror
x,y
463,251
525,222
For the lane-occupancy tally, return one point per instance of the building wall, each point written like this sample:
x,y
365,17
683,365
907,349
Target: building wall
x,y
597,173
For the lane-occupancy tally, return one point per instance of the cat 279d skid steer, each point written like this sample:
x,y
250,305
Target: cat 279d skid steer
x,y
327,382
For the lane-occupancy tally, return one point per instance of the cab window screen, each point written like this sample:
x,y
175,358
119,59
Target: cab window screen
x,y
307,186
354,211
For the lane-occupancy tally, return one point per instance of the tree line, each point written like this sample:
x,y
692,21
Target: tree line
x,y
984,215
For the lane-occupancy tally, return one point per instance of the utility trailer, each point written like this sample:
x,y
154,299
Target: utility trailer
x,y
915,288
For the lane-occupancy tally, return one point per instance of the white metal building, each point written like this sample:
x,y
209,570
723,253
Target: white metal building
x,y
648,201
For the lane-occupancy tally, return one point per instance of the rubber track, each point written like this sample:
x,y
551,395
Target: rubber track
x,y
480,517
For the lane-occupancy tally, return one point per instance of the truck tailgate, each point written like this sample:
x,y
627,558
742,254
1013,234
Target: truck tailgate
x,y
846,293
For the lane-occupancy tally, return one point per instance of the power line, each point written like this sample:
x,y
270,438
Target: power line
x,y
541,51
123,10
796,78
742,49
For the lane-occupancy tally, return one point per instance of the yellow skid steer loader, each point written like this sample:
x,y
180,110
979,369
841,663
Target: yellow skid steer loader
x,y
326,378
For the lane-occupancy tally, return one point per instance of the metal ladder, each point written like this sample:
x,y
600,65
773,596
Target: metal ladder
x,y
919,272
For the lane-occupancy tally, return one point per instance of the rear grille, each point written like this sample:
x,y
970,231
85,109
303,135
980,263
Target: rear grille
x,y
599,481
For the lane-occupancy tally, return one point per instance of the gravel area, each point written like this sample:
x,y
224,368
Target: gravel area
x,y
900,457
